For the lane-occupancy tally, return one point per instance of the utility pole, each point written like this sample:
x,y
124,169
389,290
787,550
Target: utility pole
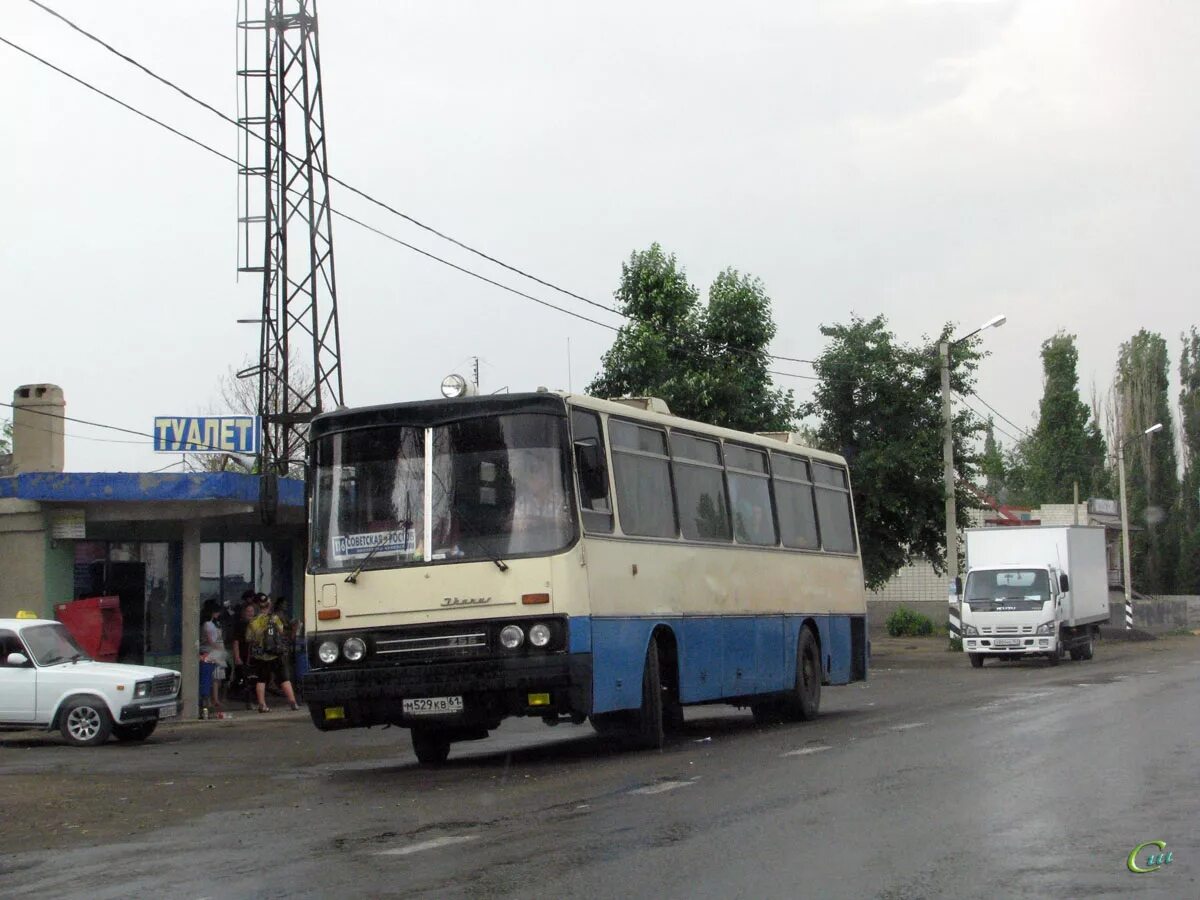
x,y
1128,578
948,487
944,348
288,217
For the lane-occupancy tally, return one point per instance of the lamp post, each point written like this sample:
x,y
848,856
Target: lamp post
x,y
948,468
1157,426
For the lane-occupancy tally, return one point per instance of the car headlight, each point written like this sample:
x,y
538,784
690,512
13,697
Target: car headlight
x,y
1046,628
327,652
511,637
141,689
970,630
354,649
539,635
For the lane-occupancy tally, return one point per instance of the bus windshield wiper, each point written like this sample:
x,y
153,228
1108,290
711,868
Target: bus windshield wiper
x,y
352,578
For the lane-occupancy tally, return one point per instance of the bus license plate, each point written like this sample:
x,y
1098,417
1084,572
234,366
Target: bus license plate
x,y
433,706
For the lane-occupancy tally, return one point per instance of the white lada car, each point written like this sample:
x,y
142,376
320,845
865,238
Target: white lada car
x,y
47,682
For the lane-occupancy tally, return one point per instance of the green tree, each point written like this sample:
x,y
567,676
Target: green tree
x,y
6,436
1066,446
1187,579
878,402
1140,394
992,466
708,362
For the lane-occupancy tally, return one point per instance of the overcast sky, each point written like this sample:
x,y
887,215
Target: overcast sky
x,y
930,161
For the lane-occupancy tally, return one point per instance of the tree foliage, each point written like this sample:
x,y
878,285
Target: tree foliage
x,y
708,362
1066,447
992,465
1187,579
6,431
878,402
1140,396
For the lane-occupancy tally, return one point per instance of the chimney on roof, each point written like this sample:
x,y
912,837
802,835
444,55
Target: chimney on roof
x,y
38,441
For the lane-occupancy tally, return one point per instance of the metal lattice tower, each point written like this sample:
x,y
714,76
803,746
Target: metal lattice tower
x,y
284,221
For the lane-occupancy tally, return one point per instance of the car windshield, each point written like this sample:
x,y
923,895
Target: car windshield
x,y
497,485
1008,584
51,644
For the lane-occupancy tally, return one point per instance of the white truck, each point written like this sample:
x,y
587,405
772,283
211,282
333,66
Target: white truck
x,y
1034,591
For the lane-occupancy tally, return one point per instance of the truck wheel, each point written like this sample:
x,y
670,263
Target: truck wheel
x,y
805,702
648,732
85,722
1089,649
430,745
1055,655
138,732
976,660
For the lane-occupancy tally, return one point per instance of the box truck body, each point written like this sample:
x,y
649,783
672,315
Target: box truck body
x,y
1034,590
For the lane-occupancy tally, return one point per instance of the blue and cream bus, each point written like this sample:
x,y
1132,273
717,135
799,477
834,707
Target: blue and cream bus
x,y
555,555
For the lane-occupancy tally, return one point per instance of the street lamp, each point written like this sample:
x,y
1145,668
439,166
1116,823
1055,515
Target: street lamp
x,y
948,464
1157,426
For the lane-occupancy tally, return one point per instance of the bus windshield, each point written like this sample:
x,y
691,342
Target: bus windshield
x,y
487,487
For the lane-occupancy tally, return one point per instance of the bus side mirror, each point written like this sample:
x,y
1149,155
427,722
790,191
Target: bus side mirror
x,y
958,585
1064,583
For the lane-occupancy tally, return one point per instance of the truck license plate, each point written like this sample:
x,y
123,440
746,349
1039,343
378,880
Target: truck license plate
x,y
433,706
1007,642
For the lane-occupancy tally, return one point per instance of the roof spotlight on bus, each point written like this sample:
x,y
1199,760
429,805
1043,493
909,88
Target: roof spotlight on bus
x,y
457,386
511,637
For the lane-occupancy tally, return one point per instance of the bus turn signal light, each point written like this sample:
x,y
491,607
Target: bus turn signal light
x,y
326,614
539,699
531,599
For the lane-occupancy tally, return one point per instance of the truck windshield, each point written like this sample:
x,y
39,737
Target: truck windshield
x,y
51,644
1001,585
497,487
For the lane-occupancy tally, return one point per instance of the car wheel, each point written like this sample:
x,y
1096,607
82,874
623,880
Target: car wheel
x,y
137,732
85,722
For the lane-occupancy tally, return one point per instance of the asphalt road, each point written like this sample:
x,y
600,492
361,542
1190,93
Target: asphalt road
x,y
930,780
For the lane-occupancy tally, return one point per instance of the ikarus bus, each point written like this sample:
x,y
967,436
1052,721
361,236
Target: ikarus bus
x,y
560,556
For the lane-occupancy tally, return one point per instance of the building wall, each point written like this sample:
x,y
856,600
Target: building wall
x,y
22,557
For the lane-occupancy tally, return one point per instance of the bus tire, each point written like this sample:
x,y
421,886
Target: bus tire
x,y
648,732
805,702
431,746
976,660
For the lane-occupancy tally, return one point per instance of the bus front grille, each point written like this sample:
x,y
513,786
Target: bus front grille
x,y
433,644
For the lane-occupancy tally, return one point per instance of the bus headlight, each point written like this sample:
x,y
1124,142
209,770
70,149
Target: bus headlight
x,y
327,652
354,649
511,637
539,635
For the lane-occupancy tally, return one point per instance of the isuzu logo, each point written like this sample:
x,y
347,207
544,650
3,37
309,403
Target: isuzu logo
x,y
465,601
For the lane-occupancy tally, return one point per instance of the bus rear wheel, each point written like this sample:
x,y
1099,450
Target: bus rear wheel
x,y
431,746
805,700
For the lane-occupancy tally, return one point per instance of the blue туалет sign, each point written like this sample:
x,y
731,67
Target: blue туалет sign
x,y
206,434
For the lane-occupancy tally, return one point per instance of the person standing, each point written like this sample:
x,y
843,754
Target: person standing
x,y
243,675
268,638
212,651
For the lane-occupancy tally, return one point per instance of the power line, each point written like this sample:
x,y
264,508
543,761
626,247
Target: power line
x,y
1001,415
353,219
382,204
1008,435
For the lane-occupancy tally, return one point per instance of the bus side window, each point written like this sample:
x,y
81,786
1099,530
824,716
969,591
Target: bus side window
x,y
833,509
592,471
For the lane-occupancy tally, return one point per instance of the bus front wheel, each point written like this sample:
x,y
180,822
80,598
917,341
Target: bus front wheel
x,y
805,701
648,732
431,746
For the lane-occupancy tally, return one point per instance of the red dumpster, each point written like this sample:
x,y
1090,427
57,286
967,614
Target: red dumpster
x,y
95,623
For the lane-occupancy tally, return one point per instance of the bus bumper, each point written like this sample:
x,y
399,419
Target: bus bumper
x,y
491,690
